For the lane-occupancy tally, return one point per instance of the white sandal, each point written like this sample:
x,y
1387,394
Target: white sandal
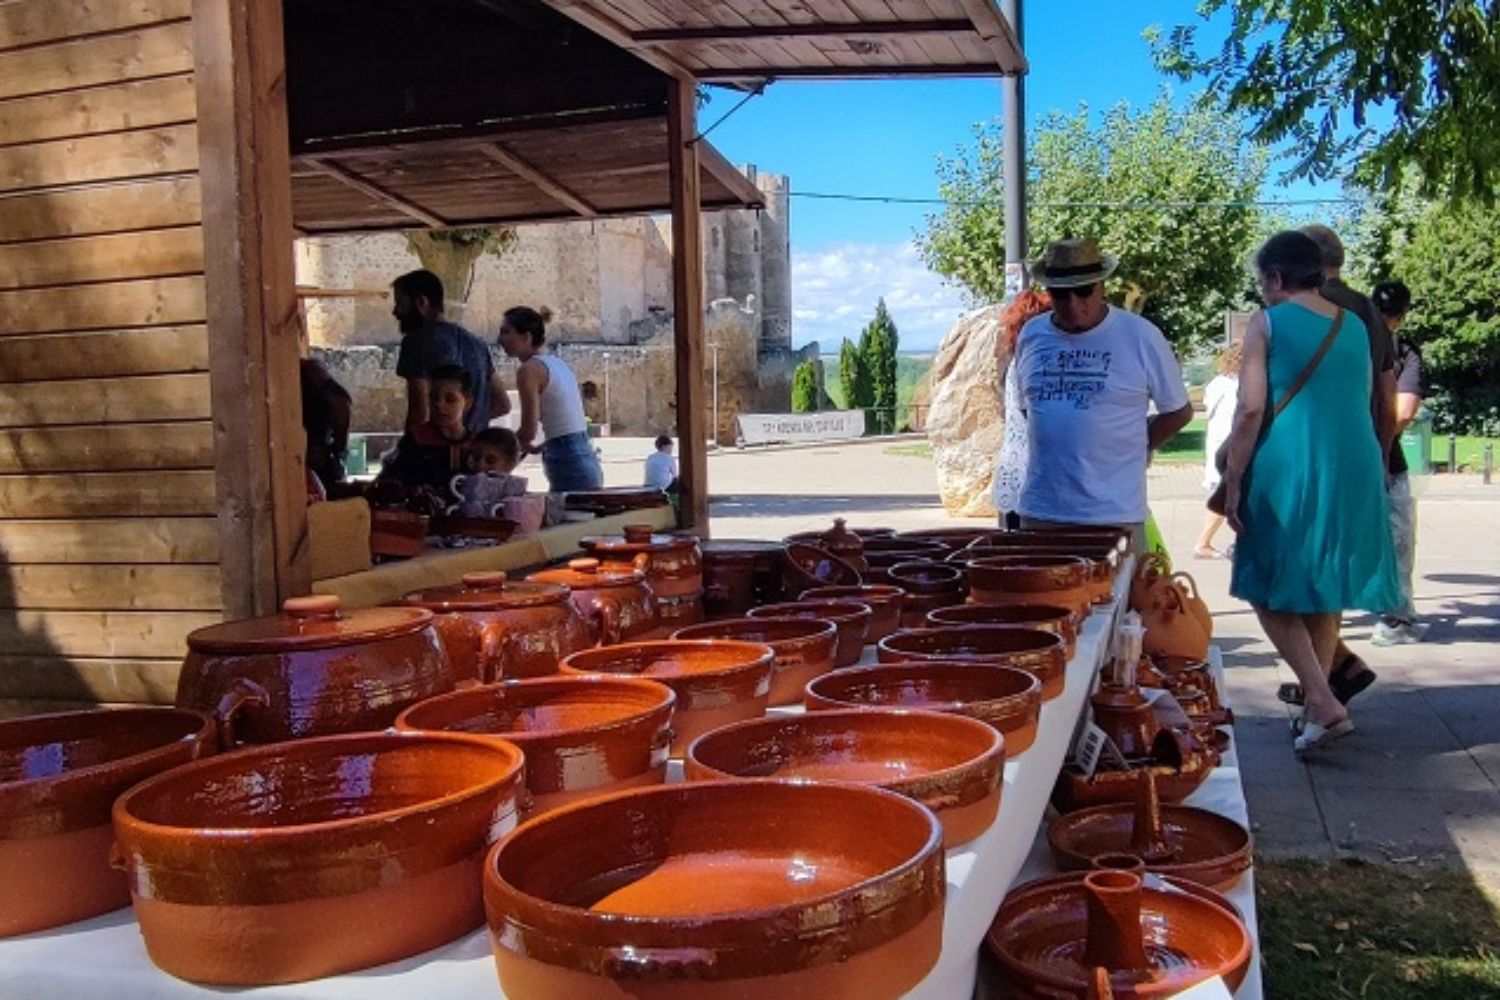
x,y
1315,736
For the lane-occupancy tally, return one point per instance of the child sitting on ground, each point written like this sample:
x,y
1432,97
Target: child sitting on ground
x,y
661,467
432,453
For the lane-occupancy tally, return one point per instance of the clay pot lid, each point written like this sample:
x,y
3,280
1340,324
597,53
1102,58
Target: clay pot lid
x,y
316,622
828,609
537,708
934,685
774,632
488,591
665,659
589,574
635,539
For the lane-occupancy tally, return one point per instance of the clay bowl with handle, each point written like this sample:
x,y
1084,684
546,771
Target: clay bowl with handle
x,y
851,618
615,601
1010,700
582,736
495,628
1031,579
59,776
1046,617
720,890
1032,650
883,601
805,566
803,648
308,859
716,681
952,765
313,670
928,586
1180,761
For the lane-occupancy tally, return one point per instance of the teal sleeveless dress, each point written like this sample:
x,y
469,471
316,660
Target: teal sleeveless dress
x,y
1317,537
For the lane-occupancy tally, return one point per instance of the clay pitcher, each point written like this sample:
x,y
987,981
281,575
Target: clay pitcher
x,y
1171,628
1154,567
845,544
1189,587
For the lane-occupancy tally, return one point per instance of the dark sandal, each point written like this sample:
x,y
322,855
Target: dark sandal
x,y
1340,682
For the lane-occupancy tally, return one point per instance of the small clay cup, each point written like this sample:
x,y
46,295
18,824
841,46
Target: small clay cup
x,y
313,858
1010,700
884,603
1032,579
1046,617
582,736
615,601
59,776
1034,651
952,765
928,586
806,566
851,618
720,891
738,574
716,681
804,648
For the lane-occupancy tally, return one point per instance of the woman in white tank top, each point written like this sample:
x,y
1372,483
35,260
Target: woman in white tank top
x,y
551,405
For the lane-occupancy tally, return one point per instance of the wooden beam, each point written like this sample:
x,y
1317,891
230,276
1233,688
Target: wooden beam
x,y
825,29
544,183
260,477
369,188
721,170
991,26
746,74
687,302
606,27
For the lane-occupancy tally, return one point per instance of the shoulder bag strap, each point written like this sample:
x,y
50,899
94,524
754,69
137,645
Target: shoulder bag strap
x,y
1312,366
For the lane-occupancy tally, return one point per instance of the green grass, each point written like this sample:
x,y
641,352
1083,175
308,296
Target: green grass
x,y
920,449
1470,451
1187,447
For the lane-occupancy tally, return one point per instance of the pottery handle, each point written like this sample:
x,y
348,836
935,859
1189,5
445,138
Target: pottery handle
x,y
241,694
633,962
116,857
1190,584
492,641
609,621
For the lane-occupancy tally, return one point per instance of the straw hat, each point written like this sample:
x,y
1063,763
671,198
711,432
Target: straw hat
x,y
1070,263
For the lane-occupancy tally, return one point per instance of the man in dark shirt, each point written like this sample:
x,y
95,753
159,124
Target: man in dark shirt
x,y
1400,625
429,342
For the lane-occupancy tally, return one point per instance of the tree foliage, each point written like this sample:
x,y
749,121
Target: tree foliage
x,y
452,253
805,388
1170,191
877,351
1379,84
854,378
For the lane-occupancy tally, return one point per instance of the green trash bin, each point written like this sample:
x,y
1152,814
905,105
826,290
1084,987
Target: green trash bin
x,y
1416,444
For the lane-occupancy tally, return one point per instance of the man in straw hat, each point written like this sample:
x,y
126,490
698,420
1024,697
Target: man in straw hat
x,y
1089,373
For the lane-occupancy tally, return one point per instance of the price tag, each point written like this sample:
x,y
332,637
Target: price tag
x,y
1094,746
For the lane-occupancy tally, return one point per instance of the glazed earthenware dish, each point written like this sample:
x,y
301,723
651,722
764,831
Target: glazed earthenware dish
x,y
805,566
582,736
494,628
612,500
1047,617
720,891
950,764
881,561
716,681
308,859
851,618
928,586
1032,650
883,601
59,776
1010,700
1103,560
738,574
615,601
1031,579
313,670
804,648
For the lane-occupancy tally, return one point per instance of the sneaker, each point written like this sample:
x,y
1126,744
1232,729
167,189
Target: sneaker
x,y
1395,635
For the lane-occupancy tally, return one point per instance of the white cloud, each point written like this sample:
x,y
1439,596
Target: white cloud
x,y
834,291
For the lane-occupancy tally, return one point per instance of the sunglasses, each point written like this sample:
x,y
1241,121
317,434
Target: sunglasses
x,y
1077,292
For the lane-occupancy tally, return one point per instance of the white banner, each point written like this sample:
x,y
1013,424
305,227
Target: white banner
x,y
828,425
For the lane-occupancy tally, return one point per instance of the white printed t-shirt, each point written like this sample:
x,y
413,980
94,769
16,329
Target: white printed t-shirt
x,y
1086,397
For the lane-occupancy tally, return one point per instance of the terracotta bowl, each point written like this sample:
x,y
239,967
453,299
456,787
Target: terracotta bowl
x,y
241,867
1103,561
851,618
803,648
868,533
582,736
1032,650
952,765
817,890
1010,700
1192,844
1046,617
59,775
805,566
716,681
883,601
881,561
928,586
1032,579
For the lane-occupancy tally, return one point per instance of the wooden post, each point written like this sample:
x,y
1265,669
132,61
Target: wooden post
x,y
687,301
245,164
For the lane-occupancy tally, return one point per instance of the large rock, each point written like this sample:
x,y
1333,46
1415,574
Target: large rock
x,y
967,417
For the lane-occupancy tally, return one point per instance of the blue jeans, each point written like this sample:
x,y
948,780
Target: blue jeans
x,y
571,464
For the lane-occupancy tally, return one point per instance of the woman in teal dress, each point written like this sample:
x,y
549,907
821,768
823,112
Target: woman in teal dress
x,y
1307,496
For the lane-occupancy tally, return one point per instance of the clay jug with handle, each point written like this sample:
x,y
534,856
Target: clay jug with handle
x,y
1153,567
1189,588
1172,629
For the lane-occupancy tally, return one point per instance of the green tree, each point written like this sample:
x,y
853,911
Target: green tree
x,y
452,253
877,351
1380,84
805,388
1170,191
854,377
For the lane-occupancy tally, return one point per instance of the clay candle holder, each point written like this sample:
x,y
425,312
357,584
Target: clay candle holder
x,y
582,736
1036,652
805,566
720,891
59,775
738,574
308,859
1155,938
1031,579
716,681
852,620
1046,617
928,586
883,601
1009,700
803,647
616,602
673,567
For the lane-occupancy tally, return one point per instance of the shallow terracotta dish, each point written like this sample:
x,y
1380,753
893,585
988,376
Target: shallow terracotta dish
x,y
1032,650
615,601
882,560
1155,938
803,647
716,681
851,618
59,776
1047,617
494,628
1010,700
928,586
883,601
582,736
307,859
720,891
950,764
1031,579
738,574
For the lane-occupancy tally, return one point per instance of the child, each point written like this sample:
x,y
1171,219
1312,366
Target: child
x,y
661,468
432,453
497,451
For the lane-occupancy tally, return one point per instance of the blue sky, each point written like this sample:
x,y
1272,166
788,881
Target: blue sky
x,y
883,138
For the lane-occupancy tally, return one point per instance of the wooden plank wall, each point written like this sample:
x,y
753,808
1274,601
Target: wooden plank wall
x,y
109,546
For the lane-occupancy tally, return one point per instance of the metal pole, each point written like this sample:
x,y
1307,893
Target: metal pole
x,y
1452,453
1013,160
1489,462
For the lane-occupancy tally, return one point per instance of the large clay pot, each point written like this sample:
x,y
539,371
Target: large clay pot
x,y
950,764
851,618
1046,617
837,541
928,586
738,574
1032,579
308,859
884,602
313,670
806,566
582,736
804,648
1034,651
716,682
494,628
59,775
720,891
673,567
616,603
